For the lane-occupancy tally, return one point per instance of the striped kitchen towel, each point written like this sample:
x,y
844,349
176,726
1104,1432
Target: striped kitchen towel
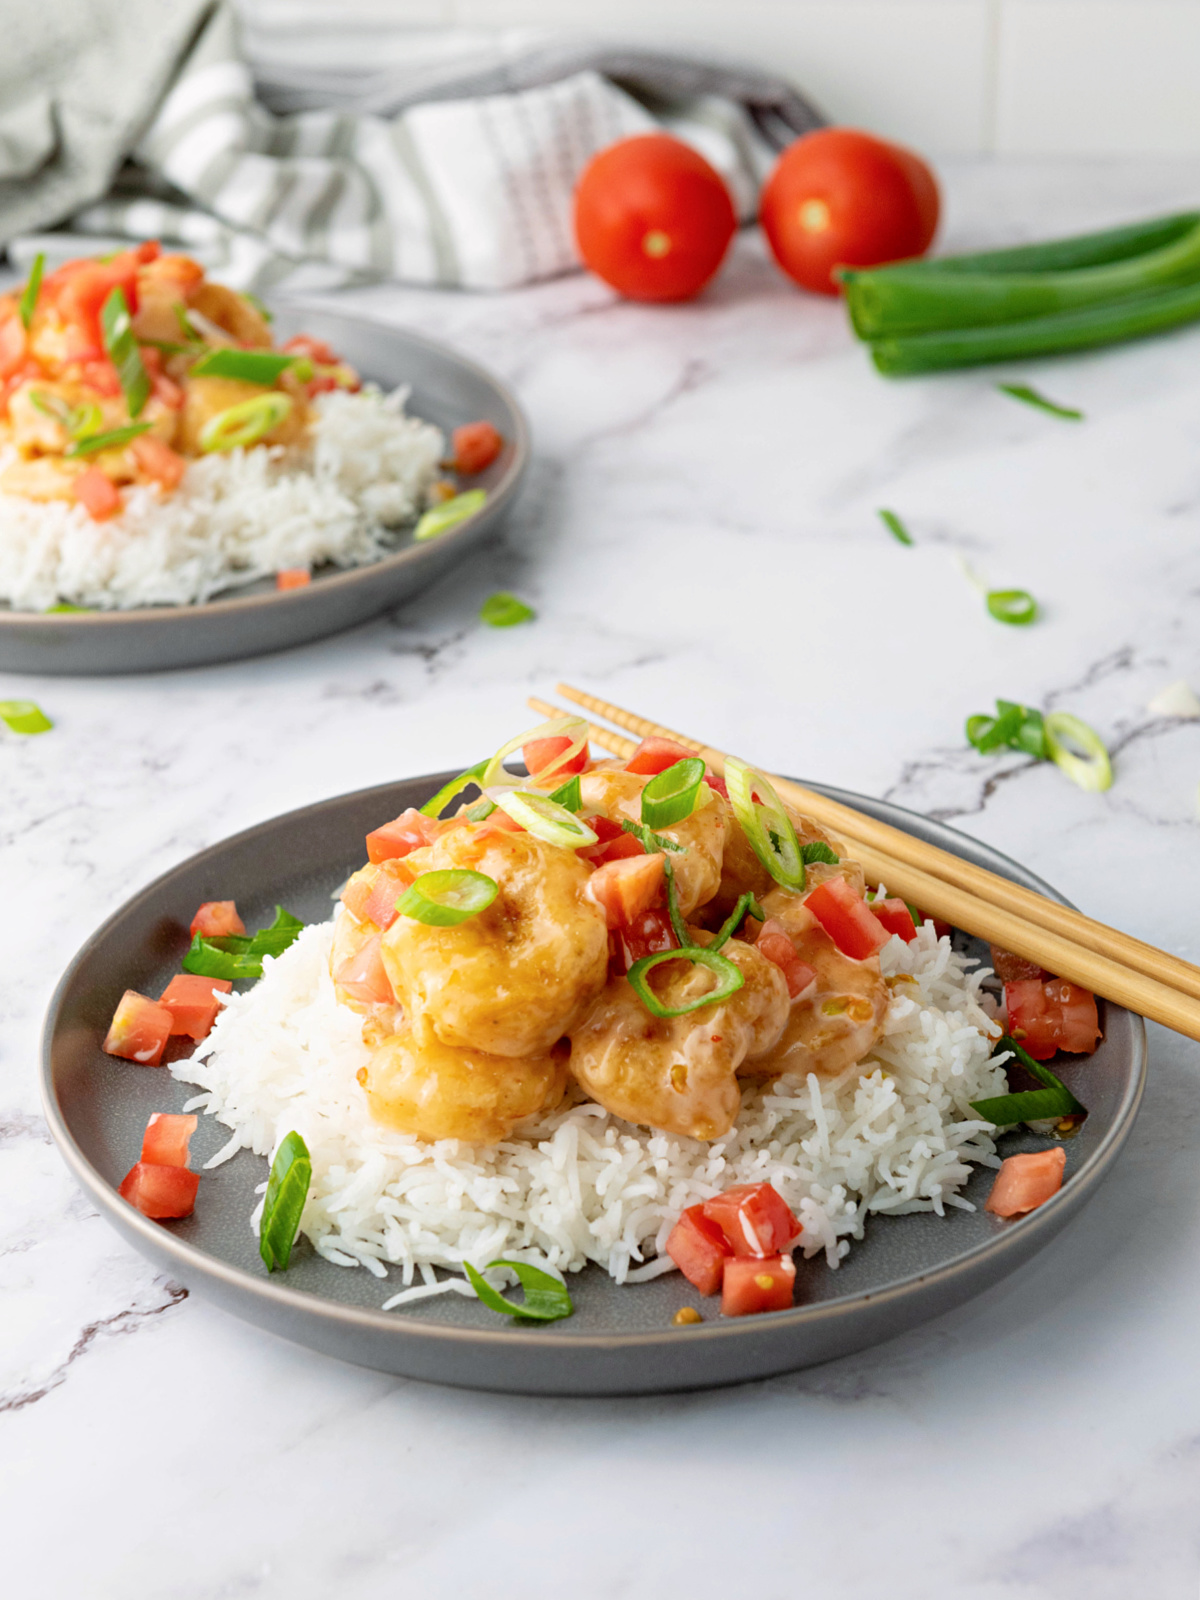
x,y
281,161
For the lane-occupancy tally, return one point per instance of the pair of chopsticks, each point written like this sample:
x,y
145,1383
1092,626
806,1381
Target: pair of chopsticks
x,y
1110,963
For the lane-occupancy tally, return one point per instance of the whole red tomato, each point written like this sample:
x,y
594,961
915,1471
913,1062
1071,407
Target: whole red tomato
x,y
653,218
838,197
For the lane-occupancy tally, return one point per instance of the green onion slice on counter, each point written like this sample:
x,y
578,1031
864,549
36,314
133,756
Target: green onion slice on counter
x,y
543,817
239,955
671,795
240,426
89,444
251,366
576,730
27,304
444,899
117,327
818,850
24,716
546,1298
895,527
1016,725
1030,397
729,979
283,1206
570,796
747,906
1054,1099
1078,750
504,610
649,840
450,791
765,823
449,514
1017,607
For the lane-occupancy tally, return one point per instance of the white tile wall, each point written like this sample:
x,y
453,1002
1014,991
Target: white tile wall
x,y
1090,77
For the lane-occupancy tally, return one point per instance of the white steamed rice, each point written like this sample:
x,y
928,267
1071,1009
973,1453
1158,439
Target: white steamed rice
x,y
236,517
894,1133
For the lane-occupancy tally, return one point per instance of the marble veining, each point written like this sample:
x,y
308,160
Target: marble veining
x,y
700,539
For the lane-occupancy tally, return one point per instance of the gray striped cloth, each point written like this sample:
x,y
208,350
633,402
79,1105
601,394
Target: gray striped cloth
x,y
281,161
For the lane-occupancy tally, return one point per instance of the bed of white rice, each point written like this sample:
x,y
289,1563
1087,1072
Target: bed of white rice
x,y
893,1134
236,517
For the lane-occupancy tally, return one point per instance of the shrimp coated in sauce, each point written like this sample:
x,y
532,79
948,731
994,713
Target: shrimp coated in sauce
x,y
617,795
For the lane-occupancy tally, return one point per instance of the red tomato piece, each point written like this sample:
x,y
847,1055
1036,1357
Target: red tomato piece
x,y
699,1249
717,785
895,917
838,197
14,342
165,1142
160,1192
614,843
1050,1016
655,755
80,288
391,880
1026,1182
775,943
303,344
476,445
539,753
409,831
162,387
646,935
627,887
653,218
753,1285
364,976
193,1005
139,1030
158,461
97,494
293,578
846,918
754,1218
217,919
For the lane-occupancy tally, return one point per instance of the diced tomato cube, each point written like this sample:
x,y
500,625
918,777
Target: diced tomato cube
x,y
655,755
13,339
158,461
171,394
165,1142
754,1218
79,290
364,976
1050,1016
476,446
193,1004
753,1285
409,831
217,919
1026,1182
699,1249
846,918
646,935
160,1192
775,943
293,578
614,843
97,494
392,879
627,887
895,917
539,753
139,1030
717,785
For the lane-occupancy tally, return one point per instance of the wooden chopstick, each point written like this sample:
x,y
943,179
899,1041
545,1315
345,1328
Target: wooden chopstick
x,y
1065,942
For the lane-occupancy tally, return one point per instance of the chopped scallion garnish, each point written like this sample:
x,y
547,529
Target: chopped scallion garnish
x,y
543,817
444,899
818,850
1078,750
89,444
27,304
649,840
117,327
283,1206
238,427
678,926
765,823
1017,607
251,366
895,527
546,1298
671,795
238,955
438,519
450,791
729,979
1030,397
504,610
570,796
1054,1099
747,906
575,728
1016,725
24,716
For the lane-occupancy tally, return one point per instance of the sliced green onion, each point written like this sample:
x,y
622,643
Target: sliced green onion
x,y
117,326
1030,397
481,810
237,955
1054,1099
678,926
1065,255
1015,725
24,716
283,1205
90,443
1079,750
504,610
543,817
245,424
818,850
444,899
1017,607
895,527
576,729
730,980
649,840
449,514
765,823
450,791
570,796
27,304
546,1298
65,606
671,795
747,905
251,366
264,312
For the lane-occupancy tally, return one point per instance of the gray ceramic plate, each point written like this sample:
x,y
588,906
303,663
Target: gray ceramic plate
x,y
620,1340
446,389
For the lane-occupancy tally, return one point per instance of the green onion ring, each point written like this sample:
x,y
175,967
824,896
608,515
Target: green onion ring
x,y
246,423
287,1190
671,795
576,727
747,904
1091,769
27,304
24,716
765,823
449,514
89,444
570,795
730,979
546,819
444,899
1017,607
450,791
250,366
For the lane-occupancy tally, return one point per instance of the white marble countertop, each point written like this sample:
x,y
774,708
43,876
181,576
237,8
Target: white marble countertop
x,y
699,536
